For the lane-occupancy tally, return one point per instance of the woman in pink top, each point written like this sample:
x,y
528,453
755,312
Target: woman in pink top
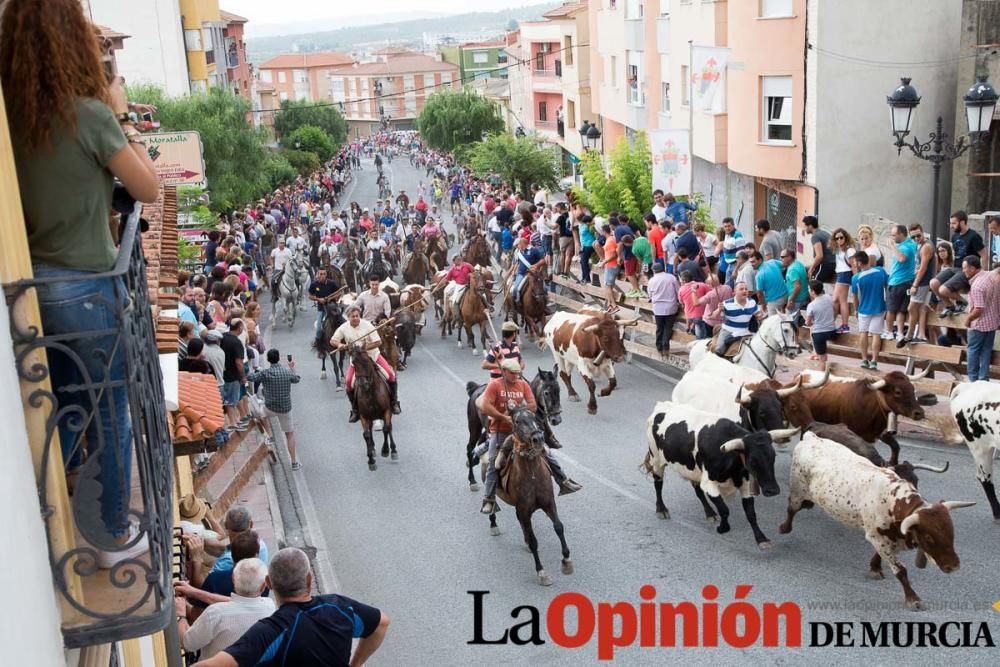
x,y
430,229
690,295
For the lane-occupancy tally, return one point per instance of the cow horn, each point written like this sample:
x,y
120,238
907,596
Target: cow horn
x,y
783,433
930,468
876,385
785,392
921,375
592,329
745,402
732,445
819,383
627,323
910,521
956,504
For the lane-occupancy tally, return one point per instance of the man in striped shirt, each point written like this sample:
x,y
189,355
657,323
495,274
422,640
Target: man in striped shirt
x,y
737,313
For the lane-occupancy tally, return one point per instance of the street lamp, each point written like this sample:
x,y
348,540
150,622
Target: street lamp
x,y
298,144
980,102
593,136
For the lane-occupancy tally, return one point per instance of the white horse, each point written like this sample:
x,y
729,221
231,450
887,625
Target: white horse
x,y
293,284
777,334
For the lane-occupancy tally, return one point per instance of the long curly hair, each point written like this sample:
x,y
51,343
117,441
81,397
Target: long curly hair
x,y
49,56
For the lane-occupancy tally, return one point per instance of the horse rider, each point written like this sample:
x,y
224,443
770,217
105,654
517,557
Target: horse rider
x,y
322,291
374,302
526,258
507,348
510,386
278,259
402,199
363,332
455,282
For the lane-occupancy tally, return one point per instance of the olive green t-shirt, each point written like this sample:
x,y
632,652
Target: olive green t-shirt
x,y
66,191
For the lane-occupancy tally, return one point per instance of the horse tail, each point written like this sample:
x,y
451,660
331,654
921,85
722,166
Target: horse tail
x,y
470,387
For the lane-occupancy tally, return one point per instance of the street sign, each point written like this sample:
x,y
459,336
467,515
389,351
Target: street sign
x,y
572,158
177,157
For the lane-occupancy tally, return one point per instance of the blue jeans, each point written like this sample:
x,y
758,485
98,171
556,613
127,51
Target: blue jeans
x,y
980,348
319,324
498,238
85,371
516,288
585,254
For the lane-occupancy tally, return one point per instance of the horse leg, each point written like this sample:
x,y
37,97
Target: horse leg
x,y
387,432
322,372
557,525
366,425
524,518
494,528
482,337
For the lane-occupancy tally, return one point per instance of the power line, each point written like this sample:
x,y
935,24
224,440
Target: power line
x,y
888,63
402,95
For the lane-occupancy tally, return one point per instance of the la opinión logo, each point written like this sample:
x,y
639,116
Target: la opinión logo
x,y
738,623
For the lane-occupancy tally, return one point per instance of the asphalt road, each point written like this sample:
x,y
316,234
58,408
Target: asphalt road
x,y
409,537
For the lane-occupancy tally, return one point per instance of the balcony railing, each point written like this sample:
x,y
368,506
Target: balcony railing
x,y
107,423
544,73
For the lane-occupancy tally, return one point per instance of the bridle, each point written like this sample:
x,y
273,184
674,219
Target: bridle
x,y
784,348
545,408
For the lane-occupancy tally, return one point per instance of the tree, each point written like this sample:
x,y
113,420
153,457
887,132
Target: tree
x,y
239,167
626,186
451,118
520,161
304,162
294,115
311,139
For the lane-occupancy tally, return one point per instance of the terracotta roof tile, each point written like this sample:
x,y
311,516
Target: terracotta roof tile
x,y
229,17
399,64
199,414
307,60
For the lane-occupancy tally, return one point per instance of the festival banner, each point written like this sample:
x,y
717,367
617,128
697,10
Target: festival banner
x,y
671,151
708,67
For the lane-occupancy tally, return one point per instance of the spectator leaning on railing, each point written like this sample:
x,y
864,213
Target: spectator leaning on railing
x,y
72,136
983,319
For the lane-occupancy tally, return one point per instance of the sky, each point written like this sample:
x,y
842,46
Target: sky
x,y
289,11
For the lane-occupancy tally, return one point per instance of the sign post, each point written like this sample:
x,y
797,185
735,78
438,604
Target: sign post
x,y
177,157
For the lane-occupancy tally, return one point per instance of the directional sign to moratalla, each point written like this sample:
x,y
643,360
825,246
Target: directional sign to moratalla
x,y
177,157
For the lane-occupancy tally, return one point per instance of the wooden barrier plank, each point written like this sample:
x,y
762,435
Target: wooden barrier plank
x,y
651,353
950,355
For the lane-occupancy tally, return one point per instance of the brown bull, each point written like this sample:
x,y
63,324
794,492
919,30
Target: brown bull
x,y
863,406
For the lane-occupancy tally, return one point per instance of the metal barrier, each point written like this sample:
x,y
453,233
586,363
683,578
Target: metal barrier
x,y
90,371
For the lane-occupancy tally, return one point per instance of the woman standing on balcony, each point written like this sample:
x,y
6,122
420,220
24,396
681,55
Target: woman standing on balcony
x,y
72,136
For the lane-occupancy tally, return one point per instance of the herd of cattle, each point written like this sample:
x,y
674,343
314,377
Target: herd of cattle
x,y
720,429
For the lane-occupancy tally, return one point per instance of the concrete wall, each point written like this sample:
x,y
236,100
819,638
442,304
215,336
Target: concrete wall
x,y
34,638
857,170
155,51
726,192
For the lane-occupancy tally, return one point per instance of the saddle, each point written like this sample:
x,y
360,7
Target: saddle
x,y
733,348
504,457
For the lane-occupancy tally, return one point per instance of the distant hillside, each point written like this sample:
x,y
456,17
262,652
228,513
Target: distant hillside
x,y
403,33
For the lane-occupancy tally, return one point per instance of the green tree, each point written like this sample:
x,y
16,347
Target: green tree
x,y
239,167
521,161
311,139
326,117
626,186
451,118
304,162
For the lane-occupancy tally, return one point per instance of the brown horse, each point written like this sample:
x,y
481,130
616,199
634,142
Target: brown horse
x,y
437,253
351,268
374,402
526,485
474,309
418,268
388,347
478,252
531,306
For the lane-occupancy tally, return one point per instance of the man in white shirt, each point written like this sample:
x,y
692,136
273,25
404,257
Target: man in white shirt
x,y
358,330
223,623
297,243
280,256
659,205
541,197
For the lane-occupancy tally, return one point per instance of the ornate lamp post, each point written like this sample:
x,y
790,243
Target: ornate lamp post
x,y
980,102
590,134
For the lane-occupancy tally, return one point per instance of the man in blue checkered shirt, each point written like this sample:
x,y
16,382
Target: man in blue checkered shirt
x,y
276,382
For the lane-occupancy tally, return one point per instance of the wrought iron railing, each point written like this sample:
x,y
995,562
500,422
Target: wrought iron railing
x,y
133,597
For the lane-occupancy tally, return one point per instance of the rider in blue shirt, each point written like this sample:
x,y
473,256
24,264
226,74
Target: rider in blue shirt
x,y
525,257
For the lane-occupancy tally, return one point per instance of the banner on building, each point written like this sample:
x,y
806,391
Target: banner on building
x,y
177,157
708,69
671,151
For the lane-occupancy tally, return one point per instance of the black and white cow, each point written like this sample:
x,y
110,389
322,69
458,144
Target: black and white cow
x,y
976,408
716,455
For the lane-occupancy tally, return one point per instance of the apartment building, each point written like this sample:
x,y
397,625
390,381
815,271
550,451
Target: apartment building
x,y
302,76
773,140
204,39
238,69
389,92
155,53
478,60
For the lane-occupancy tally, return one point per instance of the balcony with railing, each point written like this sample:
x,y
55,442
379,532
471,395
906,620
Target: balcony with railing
x,y
105,478
546,80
